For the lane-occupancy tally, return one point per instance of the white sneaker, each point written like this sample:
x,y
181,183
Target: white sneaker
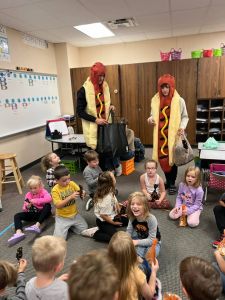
x,y
118,171
89,232
89,204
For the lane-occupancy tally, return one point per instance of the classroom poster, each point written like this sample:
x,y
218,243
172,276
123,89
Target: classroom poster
x,y
4,45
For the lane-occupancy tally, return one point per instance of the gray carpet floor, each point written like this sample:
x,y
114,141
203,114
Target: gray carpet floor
x,y
177,242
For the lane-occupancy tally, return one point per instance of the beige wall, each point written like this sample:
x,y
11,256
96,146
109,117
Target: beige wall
x,y
59,58
147,51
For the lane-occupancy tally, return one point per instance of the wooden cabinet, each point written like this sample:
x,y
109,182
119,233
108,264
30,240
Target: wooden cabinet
x,y
210,121
79,76
185,73
138,85
211,77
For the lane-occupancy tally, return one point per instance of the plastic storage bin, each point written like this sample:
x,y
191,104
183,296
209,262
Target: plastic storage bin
x,y
128,166
71,165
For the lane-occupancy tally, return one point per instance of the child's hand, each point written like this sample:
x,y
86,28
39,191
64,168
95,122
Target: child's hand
x,y
64,277
74,195
118,223
221,202
155,266
158,202
135,242
22,265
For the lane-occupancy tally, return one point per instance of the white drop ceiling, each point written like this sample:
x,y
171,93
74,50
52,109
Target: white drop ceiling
x,y
53,20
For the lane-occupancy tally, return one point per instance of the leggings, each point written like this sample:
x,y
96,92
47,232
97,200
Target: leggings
x,y
39,216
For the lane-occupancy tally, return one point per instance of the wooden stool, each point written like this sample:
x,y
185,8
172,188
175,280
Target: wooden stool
x,y
8,164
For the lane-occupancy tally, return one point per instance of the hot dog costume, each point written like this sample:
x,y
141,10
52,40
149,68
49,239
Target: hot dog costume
x,y
170,114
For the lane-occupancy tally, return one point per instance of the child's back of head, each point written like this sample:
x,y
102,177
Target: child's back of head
x,y
106,185
8,274
200,279
48,252
93,277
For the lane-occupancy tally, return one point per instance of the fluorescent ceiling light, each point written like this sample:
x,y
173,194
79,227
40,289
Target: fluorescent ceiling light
x,y
95,30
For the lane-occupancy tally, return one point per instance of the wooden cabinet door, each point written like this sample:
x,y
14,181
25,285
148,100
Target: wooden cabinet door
x,y
208,77
186,85
166,67
79,76
221,85
129,96
146,90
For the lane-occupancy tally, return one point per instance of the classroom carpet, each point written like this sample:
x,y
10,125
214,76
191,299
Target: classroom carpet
x,y
177,242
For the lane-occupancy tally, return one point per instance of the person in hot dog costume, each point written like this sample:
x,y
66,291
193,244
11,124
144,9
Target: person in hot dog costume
x,y
169,118
93,107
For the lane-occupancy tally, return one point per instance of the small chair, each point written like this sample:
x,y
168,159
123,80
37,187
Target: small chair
x,y
8,165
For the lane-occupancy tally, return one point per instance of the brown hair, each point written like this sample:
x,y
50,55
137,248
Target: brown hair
x,y
61,171
8,274
105,186
93,277
197,174
123,254
48,252
151,161
90,155
200,279
144,201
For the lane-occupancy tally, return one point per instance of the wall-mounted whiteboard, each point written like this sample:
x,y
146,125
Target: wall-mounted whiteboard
x,y
27,101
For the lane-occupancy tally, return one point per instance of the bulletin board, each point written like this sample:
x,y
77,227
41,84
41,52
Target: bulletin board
x,y
27,100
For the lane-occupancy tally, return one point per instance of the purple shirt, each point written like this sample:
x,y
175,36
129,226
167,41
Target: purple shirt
x,y
191,197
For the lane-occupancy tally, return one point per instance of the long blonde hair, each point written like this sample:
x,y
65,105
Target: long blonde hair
x,y
123,254
197,174
144,201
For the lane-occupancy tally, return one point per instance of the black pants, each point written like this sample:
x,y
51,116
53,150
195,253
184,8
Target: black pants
x,y
32,216
219,212
171,176
106,230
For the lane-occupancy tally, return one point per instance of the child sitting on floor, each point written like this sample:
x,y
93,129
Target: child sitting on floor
x,y
36,207
64,195
153,187
12,276
132,280
48,255
91,173
107,208
219,213
48,163
190,194
142,226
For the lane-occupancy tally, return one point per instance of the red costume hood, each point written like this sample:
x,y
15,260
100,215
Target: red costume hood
x,y
167,79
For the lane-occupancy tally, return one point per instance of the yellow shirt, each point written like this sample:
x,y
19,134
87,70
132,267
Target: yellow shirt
x,y
59,193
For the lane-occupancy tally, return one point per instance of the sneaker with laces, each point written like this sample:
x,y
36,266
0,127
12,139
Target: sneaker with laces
x,y
33,229
89,232
89,204
216,243
16,238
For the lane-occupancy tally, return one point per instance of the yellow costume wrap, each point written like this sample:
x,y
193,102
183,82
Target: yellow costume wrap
x,y
174,124
90,129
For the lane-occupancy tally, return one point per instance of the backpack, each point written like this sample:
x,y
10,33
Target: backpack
x,y
139,150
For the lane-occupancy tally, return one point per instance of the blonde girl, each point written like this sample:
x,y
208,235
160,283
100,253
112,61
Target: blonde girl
x,y
132,280
48,164
190,194
153,187
36,207
106,208
142,226
12,276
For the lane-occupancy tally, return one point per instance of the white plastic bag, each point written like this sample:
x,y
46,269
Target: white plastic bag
x,y
182,151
